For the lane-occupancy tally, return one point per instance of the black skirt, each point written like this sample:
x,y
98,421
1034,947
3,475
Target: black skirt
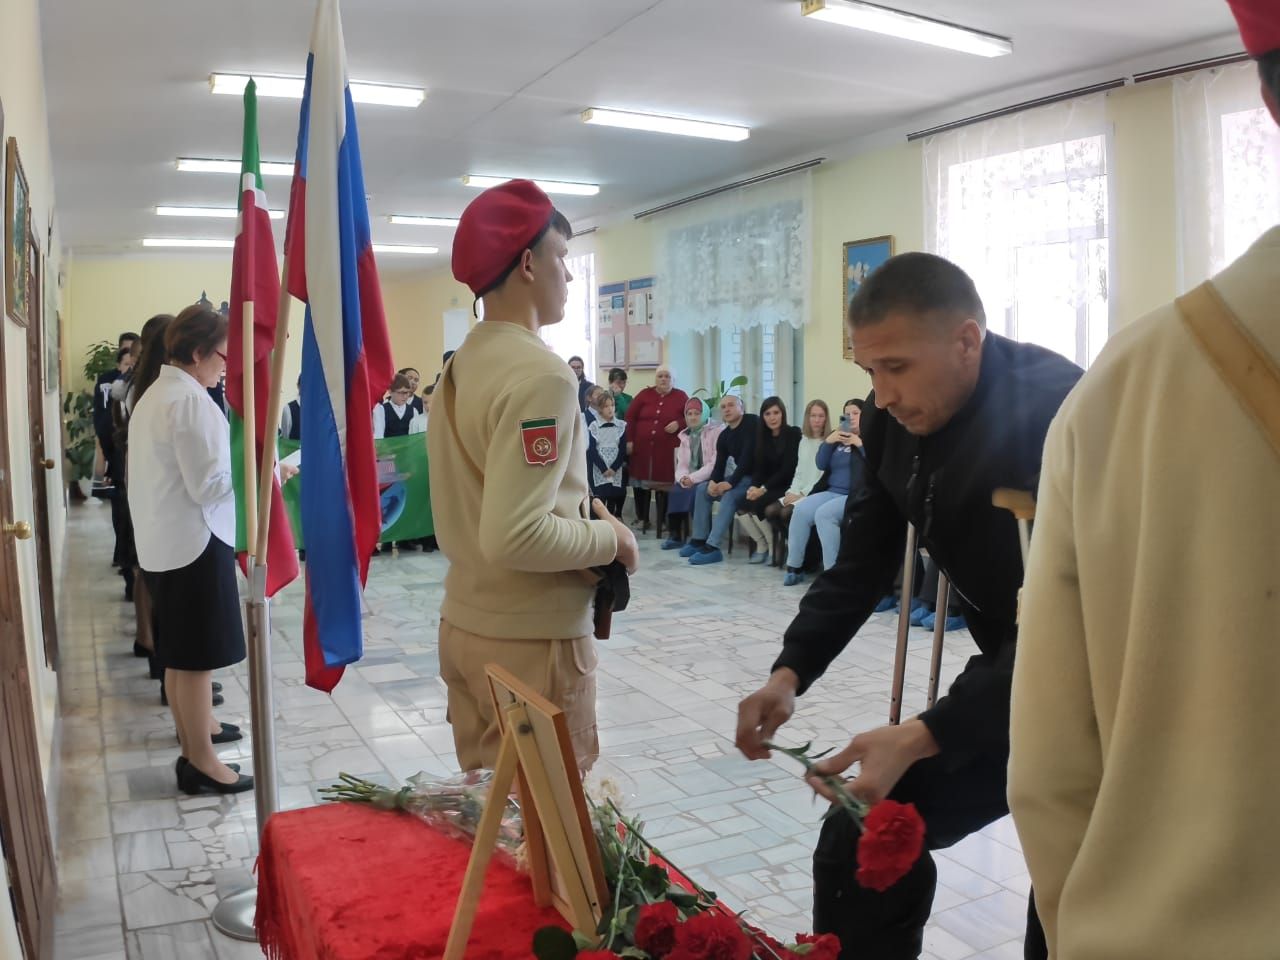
x,y
196,612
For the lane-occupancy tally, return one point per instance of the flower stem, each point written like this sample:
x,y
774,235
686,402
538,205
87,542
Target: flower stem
x,y
852,805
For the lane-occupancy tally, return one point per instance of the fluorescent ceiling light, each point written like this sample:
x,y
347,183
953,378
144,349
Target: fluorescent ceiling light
x,y
291,88
188,242
907,26
405,248
423,221
660,124
550,186
198,165
216,213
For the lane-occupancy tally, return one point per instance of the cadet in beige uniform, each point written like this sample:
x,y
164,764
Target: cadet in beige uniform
x,y
508,454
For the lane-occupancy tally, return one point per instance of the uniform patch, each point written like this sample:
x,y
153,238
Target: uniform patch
x,y
539,440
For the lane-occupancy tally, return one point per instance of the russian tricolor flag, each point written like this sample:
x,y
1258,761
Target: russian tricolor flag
x,y
346,356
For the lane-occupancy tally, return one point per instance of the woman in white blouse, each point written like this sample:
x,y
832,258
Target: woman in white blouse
x,y
814,429
184,519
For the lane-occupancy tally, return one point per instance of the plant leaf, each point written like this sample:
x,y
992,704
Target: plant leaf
x,y
738,381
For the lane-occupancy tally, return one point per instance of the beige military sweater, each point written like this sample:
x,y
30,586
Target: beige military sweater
x,y
508,463
1144,767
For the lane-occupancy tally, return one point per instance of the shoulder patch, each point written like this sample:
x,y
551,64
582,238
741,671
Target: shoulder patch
x,y
539,440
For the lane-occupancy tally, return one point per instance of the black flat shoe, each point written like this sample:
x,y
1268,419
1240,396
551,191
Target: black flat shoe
x,y
193,782
230,733
183,761
217,687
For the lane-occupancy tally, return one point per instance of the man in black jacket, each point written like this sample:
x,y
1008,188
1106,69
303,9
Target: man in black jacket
x,y
956,412
730,480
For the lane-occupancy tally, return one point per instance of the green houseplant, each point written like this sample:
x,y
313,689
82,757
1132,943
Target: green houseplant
x,y
77,412
713,396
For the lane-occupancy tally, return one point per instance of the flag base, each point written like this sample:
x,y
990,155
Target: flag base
x,y
233,915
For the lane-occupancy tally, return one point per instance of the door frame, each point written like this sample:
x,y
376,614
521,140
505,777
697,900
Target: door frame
x,y
39,473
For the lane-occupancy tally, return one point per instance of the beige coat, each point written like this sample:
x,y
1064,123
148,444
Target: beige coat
x,y
1145,766
515,532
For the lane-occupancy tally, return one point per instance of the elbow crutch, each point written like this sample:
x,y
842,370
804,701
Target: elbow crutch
x,y
1022,504
904,629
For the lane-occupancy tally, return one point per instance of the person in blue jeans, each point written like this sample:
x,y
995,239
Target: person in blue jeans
x,y
841,460
730,480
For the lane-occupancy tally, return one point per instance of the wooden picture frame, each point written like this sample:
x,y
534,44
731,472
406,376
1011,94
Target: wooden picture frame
x,y
860,258
17,236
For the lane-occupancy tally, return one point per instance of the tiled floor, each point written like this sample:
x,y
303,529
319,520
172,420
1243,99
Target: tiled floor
x,y
141,866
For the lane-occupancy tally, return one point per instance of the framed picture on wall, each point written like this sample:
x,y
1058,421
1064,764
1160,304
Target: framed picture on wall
x,y
861,257
17,231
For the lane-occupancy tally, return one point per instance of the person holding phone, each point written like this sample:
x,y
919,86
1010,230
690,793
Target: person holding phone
x,y
842,464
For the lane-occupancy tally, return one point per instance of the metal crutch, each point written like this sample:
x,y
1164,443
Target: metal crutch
x,y
904,625
1022,504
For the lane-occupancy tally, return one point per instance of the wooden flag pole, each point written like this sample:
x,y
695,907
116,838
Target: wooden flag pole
x,y
250,434
275,390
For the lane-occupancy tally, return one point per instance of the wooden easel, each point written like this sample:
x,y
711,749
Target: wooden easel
x,y
537,752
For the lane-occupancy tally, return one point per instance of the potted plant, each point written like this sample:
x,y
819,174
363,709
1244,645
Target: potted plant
x,y
713,397
77,412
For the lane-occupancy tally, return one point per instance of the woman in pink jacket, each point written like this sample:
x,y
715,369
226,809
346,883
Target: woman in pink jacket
x,y
695,459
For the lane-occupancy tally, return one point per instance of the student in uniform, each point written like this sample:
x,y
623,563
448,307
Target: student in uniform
x,y
291,417
415,379
394,417
607,454
508,455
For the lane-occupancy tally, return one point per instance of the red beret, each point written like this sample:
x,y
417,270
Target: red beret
x,y
1259,22
497,227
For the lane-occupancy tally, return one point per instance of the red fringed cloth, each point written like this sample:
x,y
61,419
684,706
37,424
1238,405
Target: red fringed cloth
x,y
347,882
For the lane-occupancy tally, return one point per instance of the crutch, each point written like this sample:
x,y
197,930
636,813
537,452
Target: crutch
x,y
904,630
1022,504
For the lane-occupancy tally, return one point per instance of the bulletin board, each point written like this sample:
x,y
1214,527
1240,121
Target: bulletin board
x,y
644,346
611,326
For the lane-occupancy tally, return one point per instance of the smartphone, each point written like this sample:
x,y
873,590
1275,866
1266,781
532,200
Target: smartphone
x,y
846,425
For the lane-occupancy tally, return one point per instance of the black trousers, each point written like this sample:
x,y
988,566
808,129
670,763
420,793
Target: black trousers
x,y
890,926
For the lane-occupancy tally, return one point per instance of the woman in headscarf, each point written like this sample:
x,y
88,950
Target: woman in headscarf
x,y
695,459
654,418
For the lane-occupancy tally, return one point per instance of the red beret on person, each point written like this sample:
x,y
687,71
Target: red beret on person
x,y
497,227
1259,22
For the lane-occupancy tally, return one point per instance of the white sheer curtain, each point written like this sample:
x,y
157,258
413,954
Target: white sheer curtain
x,y
770,357
1228,168
575,335
738,260
1021,203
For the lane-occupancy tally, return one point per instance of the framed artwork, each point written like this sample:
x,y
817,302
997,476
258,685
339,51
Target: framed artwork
x,y
17,238
861,257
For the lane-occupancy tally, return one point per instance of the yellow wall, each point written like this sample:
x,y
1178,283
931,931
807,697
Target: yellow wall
x,y
26,119
415,306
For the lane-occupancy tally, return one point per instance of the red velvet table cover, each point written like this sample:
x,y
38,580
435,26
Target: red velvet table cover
x,y
344,881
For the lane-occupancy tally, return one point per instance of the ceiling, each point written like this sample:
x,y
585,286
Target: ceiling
x,y
506,81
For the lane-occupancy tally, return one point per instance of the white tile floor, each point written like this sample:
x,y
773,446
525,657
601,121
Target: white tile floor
x,y
140,865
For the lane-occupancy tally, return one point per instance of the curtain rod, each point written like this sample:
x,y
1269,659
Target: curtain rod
x,y
1018,108
750,181
1190,67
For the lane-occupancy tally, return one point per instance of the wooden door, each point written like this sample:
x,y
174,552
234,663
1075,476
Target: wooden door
x,y
41,461
24,822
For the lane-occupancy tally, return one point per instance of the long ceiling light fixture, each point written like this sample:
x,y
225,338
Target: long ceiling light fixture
x,y
188,242
408,221
659,124
550,186
214,213
907,26
291,88
200,165
405,248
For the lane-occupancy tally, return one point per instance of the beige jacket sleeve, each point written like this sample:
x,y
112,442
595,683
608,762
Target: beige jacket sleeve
x,y
528,513
1055,759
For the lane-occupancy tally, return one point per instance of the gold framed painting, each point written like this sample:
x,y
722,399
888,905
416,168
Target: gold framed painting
x,y
860,259
17,238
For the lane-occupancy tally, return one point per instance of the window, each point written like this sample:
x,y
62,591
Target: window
x,y
769,357
575,335
1228,168
1021,203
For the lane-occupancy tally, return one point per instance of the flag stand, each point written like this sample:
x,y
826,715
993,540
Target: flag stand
x,y
234,914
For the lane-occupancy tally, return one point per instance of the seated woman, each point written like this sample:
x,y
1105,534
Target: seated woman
x,y
841,460
777,446
814,429
695,459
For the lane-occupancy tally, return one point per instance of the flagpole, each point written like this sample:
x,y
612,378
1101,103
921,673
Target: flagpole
x,y
234,914
250,435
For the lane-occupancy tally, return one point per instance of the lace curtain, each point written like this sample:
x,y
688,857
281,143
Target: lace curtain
x,y
1227,170
738,260
1021,203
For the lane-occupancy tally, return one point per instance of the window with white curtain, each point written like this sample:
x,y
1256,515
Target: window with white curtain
x,y
1227,171
771,358
1021,204
575,335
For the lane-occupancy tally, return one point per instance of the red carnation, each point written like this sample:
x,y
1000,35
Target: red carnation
x,y
656,928
824,946
710,936
892,840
